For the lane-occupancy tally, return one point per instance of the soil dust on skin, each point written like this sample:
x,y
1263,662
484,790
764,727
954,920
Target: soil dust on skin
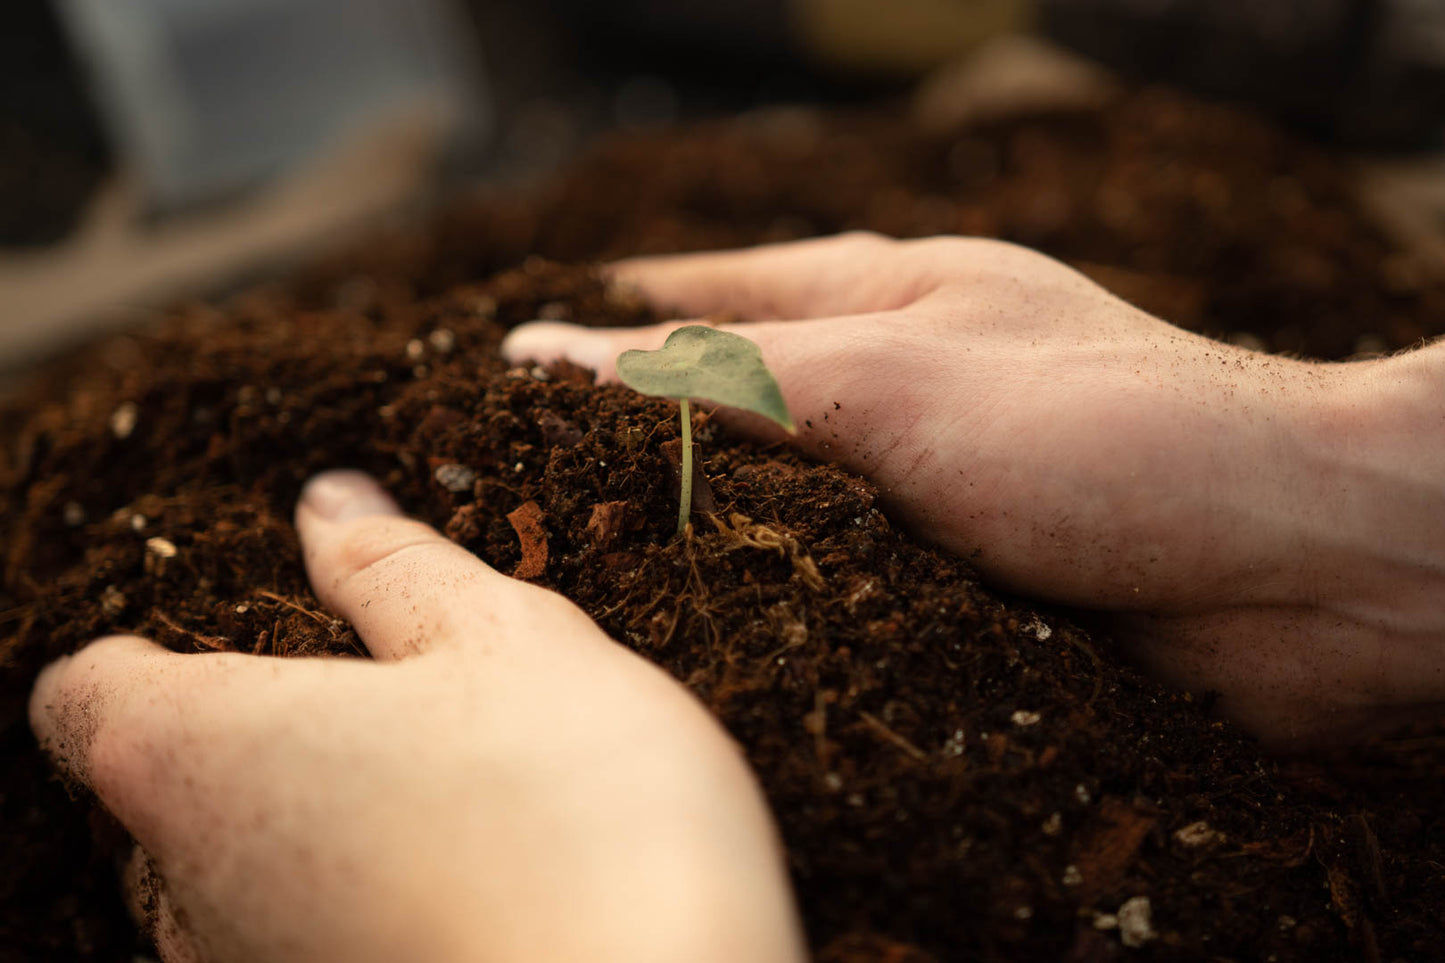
x,y
957,775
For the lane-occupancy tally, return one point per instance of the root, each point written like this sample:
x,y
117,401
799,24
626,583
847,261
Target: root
x,y
880,727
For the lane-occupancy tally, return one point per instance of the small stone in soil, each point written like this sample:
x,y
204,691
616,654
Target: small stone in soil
x,y
112,602
455,478
1024,717
1196,834
123,419
161,547
1135,926
442,340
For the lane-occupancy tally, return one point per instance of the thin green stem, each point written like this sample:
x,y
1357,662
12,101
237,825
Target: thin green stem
x,y
684,508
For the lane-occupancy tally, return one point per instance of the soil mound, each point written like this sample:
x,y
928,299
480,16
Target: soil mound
x,y
958,775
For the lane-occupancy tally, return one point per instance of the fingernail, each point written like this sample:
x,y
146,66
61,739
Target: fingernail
x,y
545,341
343,495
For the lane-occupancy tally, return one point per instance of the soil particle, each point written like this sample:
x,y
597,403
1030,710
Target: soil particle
x,y
527,521
1136,922
455,478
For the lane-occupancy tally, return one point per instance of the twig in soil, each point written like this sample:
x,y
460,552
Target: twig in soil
x,y
672,626
742,532
210,643
880,727
816,724
10,615
784,649
1076,639
281,599
626,601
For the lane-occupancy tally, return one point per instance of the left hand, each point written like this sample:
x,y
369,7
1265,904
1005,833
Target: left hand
x,y
503,782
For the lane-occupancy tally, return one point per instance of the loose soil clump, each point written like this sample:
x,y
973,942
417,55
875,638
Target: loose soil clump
x,y
958,775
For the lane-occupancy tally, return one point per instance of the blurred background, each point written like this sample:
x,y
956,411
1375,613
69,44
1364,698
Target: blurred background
x,y
155,148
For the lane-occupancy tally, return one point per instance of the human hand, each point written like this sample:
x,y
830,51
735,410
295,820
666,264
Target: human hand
x,y
503,782
1217,503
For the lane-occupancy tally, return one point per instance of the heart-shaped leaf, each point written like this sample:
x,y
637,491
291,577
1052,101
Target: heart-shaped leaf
x,y
707,364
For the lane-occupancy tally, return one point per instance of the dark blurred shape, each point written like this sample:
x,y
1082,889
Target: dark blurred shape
x,y
751,30
52,151
1364,72
719,56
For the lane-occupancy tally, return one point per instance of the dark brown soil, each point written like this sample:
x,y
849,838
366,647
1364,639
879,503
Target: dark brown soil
x,y
959,776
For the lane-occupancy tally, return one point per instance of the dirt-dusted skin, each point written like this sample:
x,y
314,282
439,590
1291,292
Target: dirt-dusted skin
x,y
958,776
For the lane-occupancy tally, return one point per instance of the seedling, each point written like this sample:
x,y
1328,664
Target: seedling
x,y
710,365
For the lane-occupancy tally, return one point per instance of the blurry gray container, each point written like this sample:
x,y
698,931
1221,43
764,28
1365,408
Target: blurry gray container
x,y
205,98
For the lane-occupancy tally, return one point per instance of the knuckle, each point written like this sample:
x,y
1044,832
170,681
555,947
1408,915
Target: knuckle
x,y
370,545
966,261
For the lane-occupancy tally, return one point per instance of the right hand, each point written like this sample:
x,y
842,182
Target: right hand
x,y
1077,449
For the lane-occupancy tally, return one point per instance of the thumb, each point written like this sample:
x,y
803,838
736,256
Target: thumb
x,y
406,588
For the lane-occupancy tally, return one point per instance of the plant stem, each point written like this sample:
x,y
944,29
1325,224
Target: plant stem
x,y
684,508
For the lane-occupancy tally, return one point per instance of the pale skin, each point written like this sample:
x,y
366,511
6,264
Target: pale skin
x,y
1269,529
502,783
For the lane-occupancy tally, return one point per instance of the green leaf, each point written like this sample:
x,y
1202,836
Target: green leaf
x,y
708,364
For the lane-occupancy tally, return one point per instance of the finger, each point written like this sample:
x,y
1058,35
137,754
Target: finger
x,y
543,342
835,375
154,911
109,715
845,274
78,699
406,588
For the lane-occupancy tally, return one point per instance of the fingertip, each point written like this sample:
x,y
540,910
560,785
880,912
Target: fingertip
x,y
630,275
45,697
342,495
71,694
543,342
